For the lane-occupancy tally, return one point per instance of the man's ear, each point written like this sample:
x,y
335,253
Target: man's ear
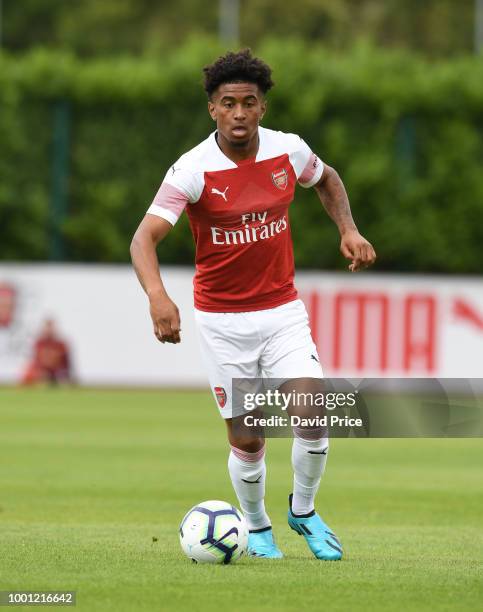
x,y
212,110
264,108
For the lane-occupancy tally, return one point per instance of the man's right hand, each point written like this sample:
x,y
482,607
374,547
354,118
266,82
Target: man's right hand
x,y
166,321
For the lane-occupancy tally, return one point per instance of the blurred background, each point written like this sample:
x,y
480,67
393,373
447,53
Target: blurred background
x,y
98,98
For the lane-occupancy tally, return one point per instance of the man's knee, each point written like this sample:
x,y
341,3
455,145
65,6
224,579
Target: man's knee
x,y
243,438
249,445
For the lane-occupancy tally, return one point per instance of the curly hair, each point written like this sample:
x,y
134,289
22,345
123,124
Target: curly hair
x,y
239,67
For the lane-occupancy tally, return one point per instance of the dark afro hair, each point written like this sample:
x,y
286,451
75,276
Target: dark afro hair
x,y
239,67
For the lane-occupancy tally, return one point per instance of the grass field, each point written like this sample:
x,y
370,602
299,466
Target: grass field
x,y
93,485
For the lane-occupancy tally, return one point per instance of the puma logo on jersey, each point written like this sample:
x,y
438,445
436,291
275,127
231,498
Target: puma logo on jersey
x,y
221,193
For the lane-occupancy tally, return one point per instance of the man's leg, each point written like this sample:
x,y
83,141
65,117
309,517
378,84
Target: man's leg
x,y
230,345
309,456
246,465
291,356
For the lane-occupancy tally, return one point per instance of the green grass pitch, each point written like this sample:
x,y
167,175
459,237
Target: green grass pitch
x,y
93,485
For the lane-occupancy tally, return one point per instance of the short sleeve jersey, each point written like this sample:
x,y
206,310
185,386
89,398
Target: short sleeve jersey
x,y
238,213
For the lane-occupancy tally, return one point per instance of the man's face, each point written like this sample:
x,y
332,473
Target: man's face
x,y
237,109
48,330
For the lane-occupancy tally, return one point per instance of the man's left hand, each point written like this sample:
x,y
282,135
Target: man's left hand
x,y
355,247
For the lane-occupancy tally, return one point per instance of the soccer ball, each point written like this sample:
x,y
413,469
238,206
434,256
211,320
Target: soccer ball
x,y
213,532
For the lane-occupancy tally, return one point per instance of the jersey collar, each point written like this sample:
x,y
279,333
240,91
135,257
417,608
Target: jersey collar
x,y
243,162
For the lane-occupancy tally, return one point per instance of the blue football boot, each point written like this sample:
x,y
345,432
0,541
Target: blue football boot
x,y
320,539
262,544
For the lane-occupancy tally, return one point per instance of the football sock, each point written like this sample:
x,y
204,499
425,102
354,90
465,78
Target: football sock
x,y
247,473
308,461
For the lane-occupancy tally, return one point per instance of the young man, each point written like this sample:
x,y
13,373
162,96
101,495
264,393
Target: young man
x,y
51,361
236,187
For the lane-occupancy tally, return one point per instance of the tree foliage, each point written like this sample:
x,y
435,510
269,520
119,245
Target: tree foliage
x,y
404,133
110,27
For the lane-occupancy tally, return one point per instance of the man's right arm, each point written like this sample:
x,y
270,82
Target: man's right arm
x,y
164,312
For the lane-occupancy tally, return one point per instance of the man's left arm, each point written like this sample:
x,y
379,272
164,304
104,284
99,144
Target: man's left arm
x,y
333,196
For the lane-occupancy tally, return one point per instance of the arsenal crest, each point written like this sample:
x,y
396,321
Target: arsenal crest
x,y
220,396
280,179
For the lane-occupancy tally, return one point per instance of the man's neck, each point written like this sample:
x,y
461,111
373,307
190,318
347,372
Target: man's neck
x,y
238,153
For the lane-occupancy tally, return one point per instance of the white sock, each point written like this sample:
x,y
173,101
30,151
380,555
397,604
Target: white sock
x,y
308,461
247,473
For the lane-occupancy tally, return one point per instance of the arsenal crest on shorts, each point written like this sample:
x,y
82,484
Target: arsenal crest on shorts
x,y
220,396
280,178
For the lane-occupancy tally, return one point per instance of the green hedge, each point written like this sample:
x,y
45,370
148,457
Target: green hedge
x,y
405,135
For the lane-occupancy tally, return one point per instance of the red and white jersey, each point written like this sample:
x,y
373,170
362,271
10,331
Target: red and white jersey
x,y
238,214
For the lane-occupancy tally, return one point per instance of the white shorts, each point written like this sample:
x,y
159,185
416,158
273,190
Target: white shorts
x,y
274,343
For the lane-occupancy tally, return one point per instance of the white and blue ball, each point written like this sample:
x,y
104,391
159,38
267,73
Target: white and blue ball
x,y
214,532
